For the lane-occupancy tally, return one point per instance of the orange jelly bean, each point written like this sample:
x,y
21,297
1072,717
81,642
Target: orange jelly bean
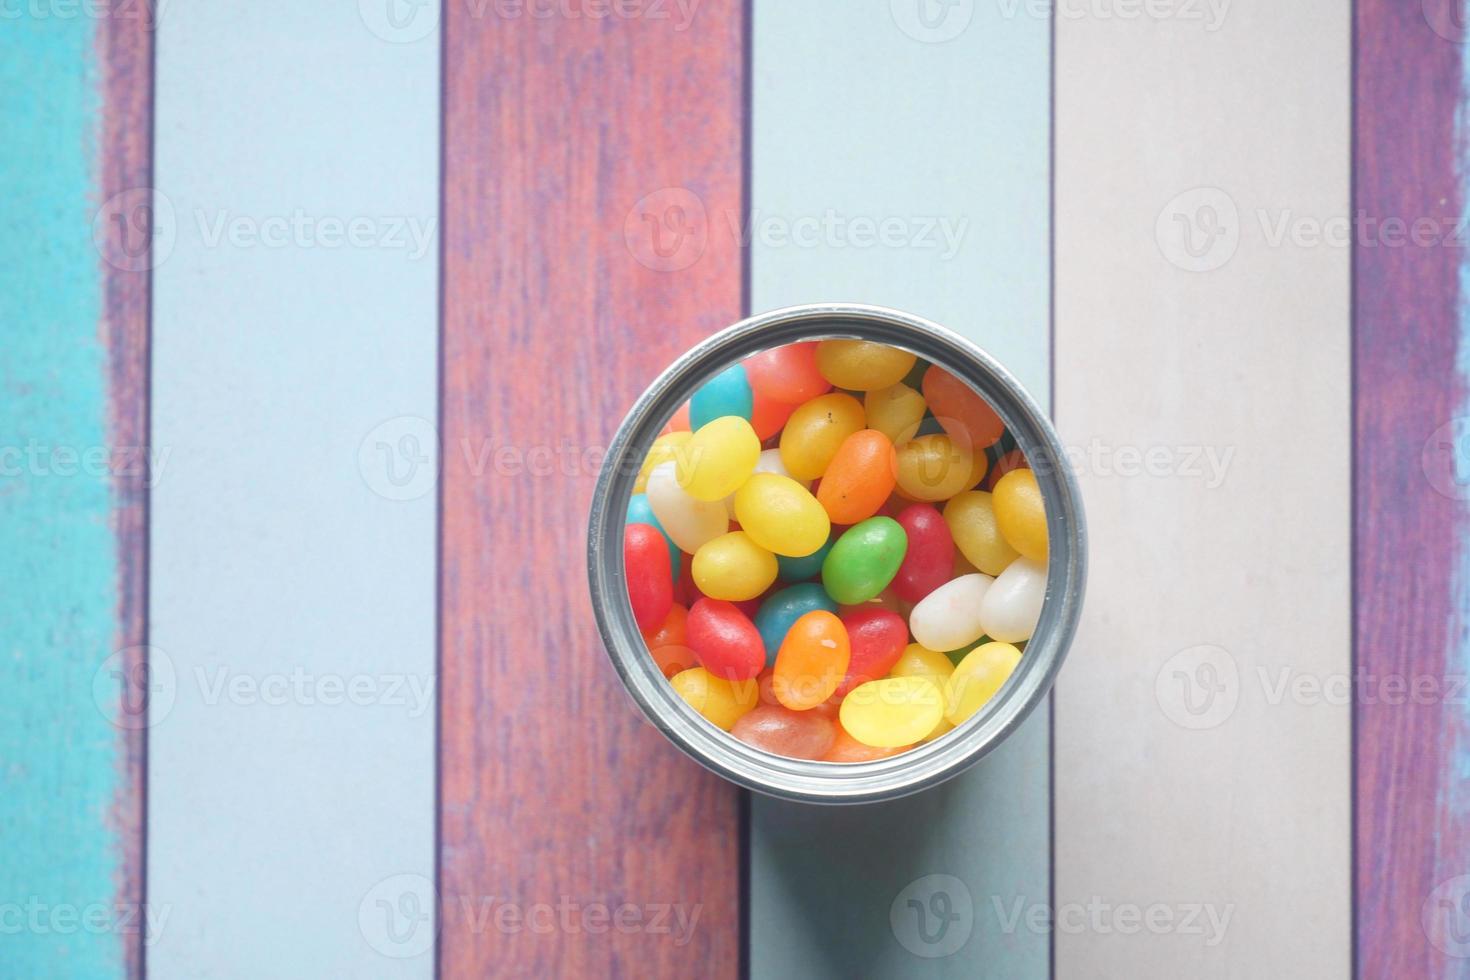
x,y
670,632
859,478
812,661
845,748
967,417
674,658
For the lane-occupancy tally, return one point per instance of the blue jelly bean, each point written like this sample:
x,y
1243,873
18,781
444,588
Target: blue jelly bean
x,y
801,569
641,512
777,613
727,393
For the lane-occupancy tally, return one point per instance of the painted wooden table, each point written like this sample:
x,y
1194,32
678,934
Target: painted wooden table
x,y
317,317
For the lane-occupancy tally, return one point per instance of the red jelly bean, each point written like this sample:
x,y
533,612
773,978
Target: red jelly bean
x,y
767,416
781,731
877,638
786,374
930,557
650,576
725,640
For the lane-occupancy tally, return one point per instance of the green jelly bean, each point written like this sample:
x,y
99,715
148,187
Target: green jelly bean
x,y
864,560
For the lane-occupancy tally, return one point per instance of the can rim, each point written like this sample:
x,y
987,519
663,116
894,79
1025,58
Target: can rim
x,y
825,782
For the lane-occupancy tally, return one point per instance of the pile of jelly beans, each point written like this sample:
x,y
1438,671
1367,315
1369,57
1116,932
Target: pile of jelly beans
x,y
835,552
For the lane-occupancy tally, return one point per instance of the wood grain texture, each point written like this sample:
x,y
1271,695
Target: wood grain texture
x,y
586,162
1202,776
928,123
1413,813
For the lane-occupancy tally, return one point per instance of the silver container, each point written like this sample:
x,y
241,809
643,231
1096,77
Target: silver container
x,y
825,782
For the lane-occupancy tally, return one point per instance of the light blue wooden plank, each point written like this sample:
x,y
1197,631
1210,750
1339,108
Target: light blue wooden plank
x,y
61,758
291,783
927,124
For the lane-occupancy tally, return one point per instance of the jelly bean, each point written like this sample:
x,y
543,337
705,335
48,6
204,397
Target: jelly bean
x,y
721,702
861,365
936,467
689,521
962,565
919,661
674,658
781,515
812,660
733,567
859,478
892,712
727,393
665,448
1021,513
718,458
781,731
971,519
671,631
803,568
864,560
768,462
787,374
895,411
767,415
876,638
646,566
779,611
1012,460
949,617
766,682
1012,605
886,599
929,561
965,415
977,678
816,430
640,512
678,422
845,748
725,640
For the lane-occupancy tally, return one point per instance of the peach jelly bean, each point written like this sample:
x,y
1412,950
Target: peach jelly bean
x,y
892,712
961,411
689,521
787,374
721,702
781,515
929,561
816,430
859,478
719,457
733,567
971,519
812,660
977,678
936,467
861,365
1021,513
949,617
1012,605
650,579
781,731
895,411
725,640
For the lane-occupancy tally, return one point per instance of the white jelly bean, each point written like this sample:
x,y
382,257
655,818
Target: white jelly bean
x,y
949,617
1013,604
690,522
769,462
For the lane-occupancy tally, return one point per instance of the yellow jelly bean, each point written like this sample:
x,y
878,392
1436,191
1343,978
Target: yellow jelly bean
x,y
781,515
1020,513
977,678
718,458
935,467
892,712
733,567
895,411
816,430
918,660
971,519
665,448
721,702
861,365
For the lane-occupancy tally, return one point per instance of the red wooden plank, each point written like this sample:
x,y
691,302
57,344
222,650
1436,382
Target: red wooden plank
x,y
1412,838
125,57
560,134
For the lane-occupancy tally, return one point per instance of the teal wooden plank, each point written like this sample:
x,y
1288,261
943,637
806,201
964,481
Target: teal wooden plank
x,y
291,784
900,157
66,799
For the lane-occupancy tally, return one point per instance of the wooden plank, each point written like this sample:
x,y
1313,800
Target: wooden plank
x,y
74,96
1203,800
291,781
560,305
1413,815
869,117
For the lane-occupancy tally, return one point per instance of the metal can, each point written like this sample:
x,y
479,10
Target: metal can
x,y
825,782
